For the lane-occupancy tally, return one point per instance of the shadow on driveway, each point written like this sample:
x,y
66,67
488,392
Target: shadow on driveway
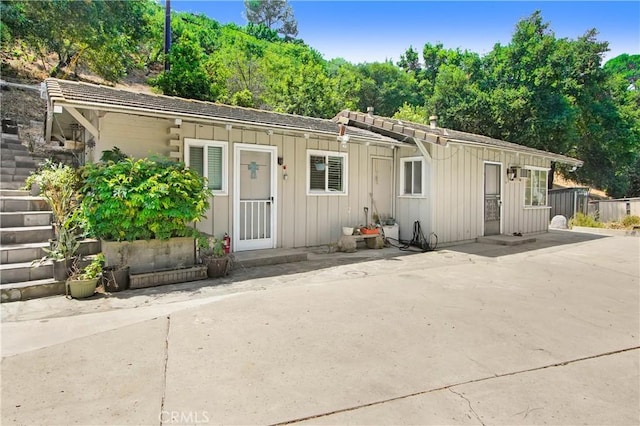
x,y
552,238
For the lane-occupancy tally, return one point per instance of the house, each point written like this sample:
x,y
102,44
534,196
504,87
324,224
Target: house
x,y
463,186
282,180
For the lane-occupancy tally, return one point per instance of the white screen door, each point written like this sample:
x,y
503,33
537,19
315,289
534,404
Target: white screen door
x,y
492,198
254,197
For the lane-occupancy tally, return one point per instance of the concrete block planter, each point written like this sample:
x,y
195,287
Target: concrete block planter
x,y
149,256
171,276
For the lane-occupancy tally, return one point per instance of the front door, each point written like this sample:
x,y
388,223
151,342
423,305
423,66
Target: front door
x,y
381,185
254,197
492,198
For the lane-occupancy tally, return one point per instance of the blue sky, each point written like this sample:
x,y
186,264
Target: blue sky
x,y
369,31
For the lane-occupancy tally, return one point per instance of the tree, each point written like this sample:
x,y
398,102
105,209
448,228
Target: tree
x,y
410,61
386,88
100,34
275,14
187,76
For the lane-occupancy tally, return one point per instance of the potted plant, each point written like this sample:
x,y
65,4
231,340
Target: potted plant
x,y
83,280
62,253
211,253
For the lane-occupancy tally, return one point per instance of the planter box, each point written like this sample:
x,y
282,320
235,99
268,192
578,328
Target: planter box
x,y
149,256
172,276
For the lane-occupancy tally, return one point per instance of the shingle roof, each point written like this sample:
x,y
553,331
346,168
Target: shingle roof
x,y
96,96
404,129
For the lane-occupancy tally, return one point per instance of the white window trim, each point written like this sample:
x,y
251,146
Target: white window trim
x,y
532,207
402,180
204,143
345,173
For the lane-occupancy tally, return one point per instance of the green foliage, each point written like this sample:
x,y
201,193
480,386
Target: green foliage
x,y
209,246
114,155
89,272
626,66
187,76
415,114
630,221
142,199
581,219
58,184
100,34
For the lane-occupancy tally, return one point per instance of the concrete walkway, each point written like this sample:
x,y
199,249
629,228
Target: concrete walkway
x,y
542,333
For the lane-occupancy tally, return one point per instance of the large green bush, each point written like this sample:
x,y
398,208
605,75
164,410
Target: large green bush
x,y
142,199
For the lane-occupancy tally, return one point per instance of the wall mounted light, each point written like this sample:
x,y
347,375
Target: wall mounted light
x,y
512,172
228,127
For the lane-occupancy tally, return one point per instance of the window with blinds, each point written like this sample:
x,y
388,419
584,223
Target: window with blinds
x,y
209,160
412,176
327,172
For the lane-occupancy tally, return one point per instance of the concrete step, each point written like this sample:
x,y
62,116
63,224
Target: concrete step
x,y
26,234
253,258
14,292
16,219
24,164
9,136
23,204
14,178
25,271
28,252
11,185
16,171
8,143
12,154
14,193
20,253
506,240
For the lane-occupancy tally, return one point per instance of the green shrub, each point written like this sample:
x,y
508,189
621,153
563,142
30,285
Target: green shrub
x,y
142,199
630,221
581,219
58,184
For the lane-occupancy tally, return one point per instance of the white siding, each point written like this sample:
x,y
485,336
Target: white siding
x,y
456,196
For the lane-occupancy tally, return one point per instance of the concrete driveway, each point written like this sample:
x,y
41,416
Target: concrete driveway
x,y
472,334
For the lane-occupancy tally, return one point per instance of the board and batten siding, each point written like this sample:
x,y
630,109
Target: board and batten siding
x,y
302,220
455,195
410,209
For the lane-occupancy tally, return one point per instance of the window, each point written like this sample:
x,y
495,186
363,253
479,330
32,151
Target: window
x,y
412,176
327,172
209,159
535,192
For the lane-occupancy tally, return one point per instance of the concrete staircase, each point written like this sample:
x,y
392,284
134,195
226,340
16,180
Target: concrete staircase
x,y
25,227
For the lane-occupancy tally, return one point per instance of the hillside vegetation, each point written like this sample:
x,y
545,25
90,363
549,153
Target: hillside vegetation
x,y
539,90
